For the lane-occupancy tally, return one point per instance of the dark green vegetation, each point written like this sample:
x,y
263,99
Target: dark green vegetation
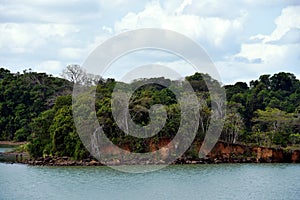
x,y
37,107
24,97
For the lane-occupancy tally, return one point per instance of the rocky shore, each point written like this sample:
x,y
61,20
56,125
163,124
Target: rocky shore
x,y
66,161
62,161
240,153
221,153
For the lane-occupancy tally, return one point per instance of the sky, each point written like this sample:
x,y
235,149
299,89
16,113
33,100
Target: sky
x,y
244,39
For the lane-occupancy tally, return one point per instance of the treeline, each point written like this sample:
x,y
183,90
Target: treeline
x,y
23,97
269,109
38,108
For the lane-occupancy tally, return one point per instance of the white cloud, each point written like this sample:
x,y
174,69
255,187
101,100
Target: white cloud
x,y
243,37
288,20
181,67
215,8
70,53
278,51
267,47
268,53
290,37
113,4
212,32
56,11
50,66
182,6
20,38
231,72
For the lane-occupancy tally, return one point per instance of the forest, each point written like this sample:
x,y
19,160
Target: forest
x,y
37,108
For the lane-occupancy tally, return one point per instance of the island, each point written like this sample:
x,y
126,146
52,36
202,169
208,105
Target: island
x,y
261,124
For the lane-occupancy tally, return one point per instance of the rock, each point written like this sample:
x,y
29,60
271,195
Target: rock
x,y
93,163
47,159
161,162
40,159
38,162
65,158
295,158
86,160
217,161
72,163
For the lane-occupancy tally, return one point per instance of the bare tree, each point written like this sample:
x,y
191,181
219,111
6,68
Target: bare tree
x,y
77,75
73,73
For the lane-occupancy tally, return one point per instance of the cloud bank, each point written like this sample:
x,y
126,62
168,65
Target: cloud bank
x,y
244,38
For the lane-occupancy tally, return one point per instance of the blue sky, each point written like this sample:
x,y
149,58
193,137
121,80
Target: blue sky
x,y
244,38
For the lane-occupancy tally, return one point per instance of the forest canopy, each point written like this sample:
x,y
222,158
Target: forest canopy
x,y
37,107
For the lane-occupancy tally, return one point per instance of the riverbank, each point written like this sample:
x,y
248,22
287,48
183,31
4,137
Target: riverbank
x,y
10,143
14,157
10,152
221,153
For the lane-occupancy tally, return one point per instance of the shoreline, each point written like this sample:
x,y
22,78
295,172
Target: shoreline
x,y
221,153
66,161
10,143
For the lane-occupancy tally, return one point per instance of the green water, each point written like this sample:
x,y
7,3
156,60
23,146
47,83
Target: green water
x,y
233,181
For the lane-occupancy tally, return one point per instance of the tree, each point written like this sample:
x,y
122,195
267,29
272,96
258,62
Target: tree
x,y
234,125
40,141
74,73
23,97
284,81
38,108
273,123
78,75
295,138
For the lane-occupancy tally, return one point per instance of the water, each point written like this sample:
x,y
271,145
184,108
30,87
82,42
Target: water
x,y
5,149
232,181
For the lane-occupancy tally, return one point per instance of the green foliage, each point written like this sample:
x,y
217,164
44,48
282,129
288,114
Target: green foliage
x,y
265,113
23,97
295,138
38,108
53,132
